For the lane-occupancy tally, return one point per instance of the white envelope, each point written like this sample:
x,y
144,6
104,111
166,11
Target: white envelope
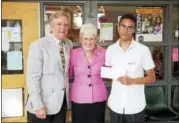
x,y
111,73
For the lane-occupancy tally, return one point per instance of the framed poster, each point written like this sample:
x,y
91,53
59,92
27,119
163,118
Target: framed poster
x,y
149,24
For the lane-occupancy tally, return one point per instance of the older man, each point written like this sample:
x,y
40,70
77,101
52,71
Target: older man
x,y
47,73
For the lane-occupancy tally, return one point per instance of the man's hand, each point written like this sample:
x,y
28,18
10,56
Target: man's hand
x,y
126,80
41,113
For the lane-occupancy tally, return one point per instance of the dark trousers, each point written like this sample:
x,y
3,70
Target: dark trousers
x,y
88,113
60,117
127,118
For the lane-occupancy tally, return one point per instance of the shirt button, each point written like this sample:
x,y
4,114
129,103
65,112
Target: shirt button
x,y
89,76
89,85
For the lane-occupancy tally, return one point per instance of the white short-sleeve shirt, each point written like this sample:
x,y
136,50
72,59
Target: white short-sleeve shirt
x,y
128,99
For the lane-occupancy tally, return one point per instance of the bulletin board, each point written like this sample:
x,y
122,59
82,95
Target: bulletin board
x,y
12,55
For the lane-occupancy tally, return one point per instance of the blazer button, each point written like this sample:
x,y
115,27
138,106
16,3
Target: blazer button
x,y
89,85
63,89
89,76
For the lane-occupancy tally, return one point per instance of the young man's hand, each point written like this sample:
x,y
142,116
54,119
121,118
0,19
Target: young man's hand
x,y
126,80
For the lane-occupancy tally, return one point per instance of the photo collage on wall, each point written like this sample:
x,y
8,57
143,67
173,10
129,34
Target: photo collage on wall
x,y
149,24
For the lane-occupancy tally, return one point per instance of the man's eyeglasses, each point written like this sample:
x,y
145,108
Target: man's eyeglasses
x,y
129,28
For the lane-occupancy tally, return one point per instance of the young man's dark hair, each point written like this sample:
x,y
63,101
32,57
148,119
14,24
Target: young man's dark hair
x,y
128,16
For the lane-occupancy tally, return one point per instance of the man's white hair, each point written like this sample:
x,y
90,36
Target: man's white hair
x,y
88,29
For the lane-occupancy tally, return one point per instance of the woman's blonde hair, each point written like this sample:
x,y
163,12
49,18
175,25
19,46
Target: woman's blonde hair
x,y
88,29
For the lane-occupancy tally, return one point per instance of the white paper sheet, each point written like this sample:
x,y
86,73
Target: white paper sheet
x,y
12,102
5,40
15,34
106,31
14,60
111,73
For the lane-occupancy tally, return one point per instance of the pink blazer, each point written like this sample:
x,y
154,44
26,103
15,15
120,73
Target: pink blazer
x,y
88,86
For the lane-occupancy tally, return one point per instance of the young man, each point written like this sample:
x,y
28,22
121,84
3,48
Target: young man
x,y
131,59
47,73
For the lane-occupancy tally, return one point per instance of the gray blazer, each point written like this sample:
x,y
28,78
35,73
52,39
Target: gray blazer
x,y
45,78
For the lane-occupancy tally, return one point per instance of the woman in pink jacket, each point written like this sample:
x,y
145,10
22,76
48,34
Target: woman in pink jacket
x,y
88,93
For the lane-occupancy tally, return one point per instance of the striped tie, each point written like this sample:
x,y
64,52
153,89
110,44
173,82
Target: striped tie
x,y
62,55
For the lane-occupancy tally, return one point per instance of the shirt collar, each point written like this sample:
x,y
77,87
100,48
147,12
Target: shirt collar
x,y
56,40
131,45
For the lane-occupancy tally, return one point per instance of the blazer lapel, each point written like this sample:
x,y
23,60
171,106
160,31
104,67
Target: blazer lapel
x,y
97,56
67,55
60,61
55,51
